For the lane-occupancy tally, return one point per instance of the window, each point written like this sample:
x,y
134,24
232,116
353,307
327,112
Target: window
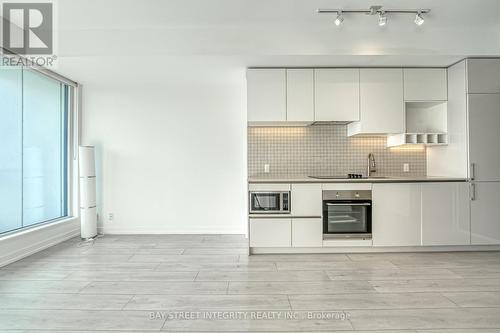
x,y
33,149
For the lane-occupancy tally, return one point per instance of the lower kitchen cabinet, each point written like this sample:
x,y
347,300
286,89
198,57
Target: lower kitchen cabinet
x,y
485,214
307,232
270,232
445,214
396,214
307,200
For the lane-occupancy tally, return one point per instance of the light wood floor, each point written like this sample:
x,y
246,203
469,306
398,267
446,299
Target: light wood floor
x,y
139,283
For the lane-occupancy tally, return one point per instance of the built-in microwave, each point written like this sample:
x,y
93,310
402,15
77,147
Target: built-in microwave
x,y
269,202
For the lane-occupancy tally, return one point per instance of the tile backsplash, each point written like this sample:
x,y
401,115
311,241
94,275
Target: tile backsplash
x,y
327,150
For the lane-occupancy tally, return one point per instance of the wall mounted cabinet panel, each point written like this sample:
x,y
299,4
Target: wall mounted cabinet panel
x,y
266,95
425,84
445,214
483,76
381,102
300,95
485,215
336,94
484,136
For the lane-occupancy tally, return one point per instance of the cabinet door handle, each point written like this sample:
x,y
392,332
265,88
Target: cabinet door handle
x,y
472,191
472,171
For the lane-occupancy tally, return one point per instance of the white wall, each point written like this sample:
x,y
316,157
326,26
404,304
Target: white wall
x,y
171,147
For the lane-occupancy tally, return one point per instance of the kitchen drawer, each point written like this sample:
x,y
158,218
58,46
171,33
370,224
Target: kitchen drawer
x,y
346,186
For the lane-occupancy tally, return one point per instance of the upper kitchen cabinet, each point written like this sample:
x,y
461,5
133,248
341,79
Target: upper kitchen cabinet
x,y
336,95
484,136
381,102
300,95
483,76
425,84
266,96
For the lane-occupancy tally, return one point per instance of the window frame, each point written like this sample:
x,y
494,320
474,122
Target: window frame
x,y
71,117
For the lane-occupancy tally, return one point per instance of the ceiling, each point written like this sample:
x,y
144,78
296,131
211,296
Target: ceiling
x,y
271,33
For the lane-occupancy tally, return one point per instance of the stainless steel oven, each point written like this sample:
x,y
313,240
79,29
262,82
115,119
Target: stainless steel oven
x,y
347,214
269,202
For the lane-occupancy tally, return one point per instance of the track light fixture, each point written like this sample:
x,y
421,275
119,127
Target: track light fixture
x,y
419,20
376,10
339,19
382,19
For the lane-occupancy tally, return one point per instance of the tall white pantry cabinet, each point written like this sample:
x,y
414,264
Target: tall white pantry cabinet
x,y
483,105
473,150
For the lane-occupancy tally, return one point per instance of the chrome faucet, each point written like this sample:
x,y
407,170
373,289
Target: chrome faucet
x,y
372,167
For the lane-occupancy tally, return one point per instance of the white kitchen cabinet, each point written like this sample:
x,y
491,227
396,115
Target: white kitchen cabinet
x,y
381,102
484,136
485,215
300,95
306,200
396,214
336,94
269,187
307,232
452,159
266,95
445,214
425,84
270,232
483,76
347,186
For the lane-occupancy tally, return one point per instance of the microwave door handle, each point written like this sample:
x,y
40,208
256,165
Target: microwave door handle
x,y
349,204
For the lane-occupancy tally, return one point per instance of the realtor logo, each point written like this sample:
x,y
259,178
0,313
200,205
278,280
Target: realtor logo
x,y
28,28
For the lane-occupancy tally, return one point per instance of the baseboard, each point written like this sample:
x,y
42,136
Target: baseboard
x,y
24,244
372,249
150,231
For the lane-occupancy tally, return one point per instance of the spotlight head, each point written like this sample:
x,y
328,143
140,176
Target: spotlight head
x,y
419,20
382,19
339,19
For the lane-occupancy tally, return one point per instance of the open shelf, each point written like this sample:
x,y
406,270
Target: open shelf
x,y
429,139
426,124
426,117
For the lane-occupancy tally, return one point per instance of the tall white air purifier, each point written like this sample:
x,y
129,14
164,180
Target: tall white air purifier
x,y
88,210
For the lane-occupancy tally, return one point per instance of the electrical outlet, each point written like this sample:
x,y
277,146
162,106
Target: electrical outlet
x,y
406,167
266,168
111,216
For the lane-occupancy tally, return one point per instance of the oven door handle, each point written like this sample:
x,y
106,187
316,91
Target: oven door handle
x,y
349,204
